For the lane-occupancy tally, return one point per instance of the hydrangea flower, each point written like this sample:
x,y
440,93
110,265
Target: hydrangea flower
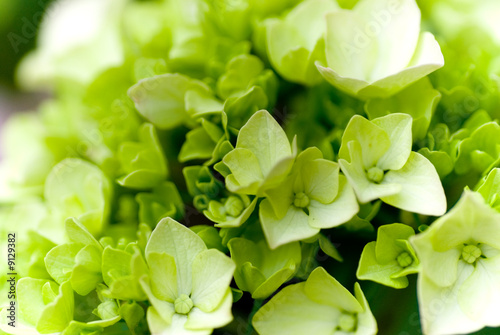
x,y
389,259
313,197
376,49
188,284
376,158
320,305
459,281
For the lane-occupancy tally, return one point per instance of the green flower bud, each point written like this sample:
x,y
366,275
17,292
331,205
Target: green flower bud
x,y
404,259
301,200
470,253
183,304
375,174
347,322
234,206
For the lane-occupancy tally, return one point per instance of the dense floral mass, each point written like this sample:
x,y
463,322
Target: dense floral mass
x,y
255,167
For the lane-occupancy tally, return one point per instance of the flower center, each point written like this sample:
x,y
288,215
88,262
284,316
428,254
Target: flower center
x,y
404,259
347,322
470,253
234,206
183,304
375,174
301,200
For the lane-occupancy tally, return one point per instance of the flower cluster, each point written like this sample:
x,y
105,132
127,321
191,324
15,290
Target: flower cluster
x,y
239,165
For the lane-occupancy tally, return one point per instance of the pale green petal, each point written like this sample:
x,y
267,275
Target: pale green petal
x,y
57,315
356,175
212,274
163,275
291,312
183,244
271,284
161,99
370,268
30,299
421,190
440,312
479,296
367,325
265,138
165,309
61,260
245,168
373,141
387,248
470,220
219,317
440,267
398,127
77,233
320,180
294,226
158,326
323,289
341,210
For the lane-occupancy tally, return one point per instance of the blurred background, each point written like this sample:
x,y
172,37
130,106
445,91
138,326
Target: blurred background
x,y
19,21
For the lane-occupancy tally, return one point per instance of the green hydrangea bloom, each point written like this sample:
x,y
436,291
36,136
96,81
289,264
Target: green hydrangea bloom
x,y
376,158
188,284
320,305
459,256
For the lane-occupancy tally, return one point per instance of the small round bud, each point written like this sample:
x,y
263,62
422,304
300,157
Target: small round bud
x,y
375,174
183,304
470,253
404,259
301,200
234,206
347,322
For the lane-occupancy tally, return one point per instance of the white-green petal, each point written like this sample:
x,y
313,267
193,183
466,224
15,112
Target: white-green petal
x,y
294,226
440,267
356,175
323,289
421,189
291,312
479,295
440,312
398,127
471,219
158,326
180,242
164,309
163,278
265,138
212,274
373,141
341,210
219,317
